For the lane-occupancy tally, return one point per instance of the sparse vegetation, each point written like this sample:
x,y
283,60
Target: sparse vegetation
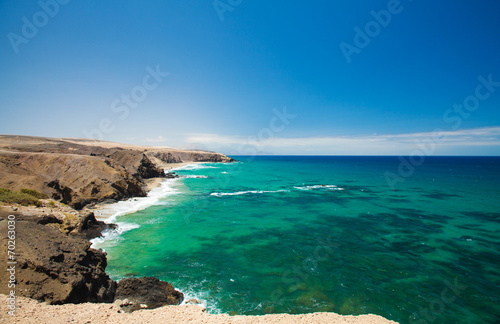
x,y
4,191
69,223
34,193
21,198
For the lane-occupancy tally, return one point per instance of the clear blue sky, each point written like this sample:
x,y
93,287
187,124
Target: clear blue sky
x,y
228,78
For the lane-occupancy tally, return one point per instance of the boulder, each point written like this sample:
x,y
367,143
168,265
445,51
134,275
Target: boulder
x,y
91,228
146,292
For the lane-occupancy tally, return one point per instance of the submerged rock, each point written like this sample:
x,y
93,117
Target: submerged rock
x,y
146,292
193,301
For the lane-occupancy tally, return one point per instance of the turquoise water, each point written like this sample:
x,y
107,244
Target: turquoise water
x,y
309,234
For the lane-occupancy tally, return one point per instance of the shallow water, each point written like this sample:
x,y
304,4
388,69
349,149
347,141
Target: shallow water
x,y
309,234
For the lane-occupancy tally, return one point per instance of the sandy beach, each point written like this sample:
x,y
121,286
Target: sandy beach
x,y
168,167
103,211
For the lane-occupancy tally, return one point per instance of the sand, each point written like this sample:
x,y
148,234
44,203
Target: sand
x,y
30,311
155,182
168,167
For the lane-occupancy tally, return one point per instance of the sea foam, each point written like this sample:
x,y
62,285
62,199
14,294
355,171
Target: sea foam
x,y
239,193
249,192
318,187
196,166
110,213
114,234
194,176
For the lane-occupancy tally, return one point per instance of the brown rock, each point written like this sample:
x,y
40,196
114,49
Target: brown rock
x,y
55,268
148,291
91,228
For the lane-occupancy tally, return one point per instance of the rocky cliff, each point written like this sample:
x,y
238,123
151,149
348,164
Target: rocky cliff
x,y
79,171
54,267
55,263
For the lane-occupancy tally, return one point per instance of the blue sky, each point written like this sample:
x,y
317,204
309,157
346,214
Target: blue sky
x,y
246,77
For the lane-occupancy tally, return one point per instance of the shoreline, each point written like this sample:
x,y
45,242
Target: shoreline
x,y
102,211
59,265
197,311
107,212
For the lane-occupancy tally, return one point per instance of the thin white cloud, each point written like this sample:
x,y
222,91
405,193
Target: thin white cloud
x,y
391,144
158,139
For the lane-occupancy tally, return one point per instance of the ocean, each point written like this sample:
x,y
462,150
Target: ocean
x,y
297,234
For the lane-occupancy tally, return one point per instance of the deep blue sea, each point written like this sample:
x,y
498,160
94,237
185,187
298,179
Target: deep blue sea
x,y
289,234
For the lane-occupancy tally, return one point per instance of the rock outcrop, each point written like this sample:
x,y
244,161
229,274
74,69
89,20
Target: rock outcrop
x,y
148,169
146,292
189,156
89,227
55,264
54,267
165,157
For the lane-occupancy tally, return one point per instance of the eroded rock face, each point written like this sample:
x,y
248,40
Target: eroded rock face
x,y
166,157
89,227
54,267
148,169
204,157
146,292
